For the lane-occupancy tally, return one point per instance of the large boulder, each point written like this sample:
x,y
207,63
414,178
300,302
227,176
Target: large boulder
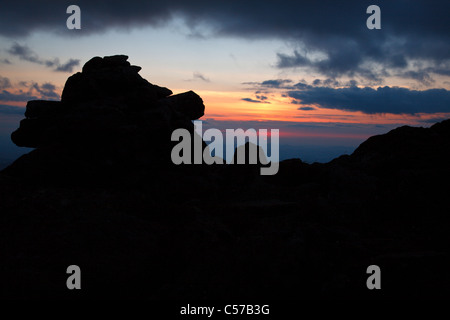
x,y
189,103
111,78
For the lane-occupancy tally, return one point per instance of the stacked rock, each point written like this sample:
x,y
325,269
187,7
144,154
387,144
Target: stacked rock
x,y
109,114
108,94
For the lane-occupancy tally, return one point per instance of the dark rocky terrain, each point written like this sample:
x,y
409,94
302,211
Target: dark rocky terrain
x,y
101,192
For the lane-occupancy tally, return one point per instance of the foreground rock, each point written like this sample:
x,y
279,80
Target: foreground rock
x,y
109,119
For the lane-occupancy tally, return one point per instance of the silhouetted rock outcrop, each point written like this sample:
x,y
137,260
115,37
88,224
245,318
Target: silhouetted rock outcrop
x,y
112,79
406,144
110,114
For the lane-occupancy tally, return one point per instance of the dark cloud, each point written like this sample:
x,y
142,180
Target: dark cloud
x,y
4,83
278,83
301,85
329,37
48,86
23,52
381,100
442,69
331,83
68,66
421,76
306,108
20,18
290,61
372,55
270,85
199,76
352,83
341,61
5,95
47,91
253,100
26,91
5,61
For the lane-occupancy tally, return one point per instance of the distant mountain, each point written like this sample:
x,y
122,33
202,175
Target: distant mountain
x,y
100,191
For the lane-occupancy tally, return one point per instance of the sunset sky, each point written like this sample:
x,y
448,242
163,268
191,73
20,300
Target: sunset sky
x,y
309,68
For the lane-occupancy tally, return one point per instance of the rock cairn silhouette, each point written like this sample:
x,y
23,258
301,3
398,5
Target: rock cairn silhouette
x,y
108,117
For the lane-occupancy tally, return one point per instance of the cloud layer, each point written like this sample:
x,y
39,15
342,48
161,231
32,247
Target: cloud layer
x,y
330,38
348,96
23,52
257,100
381,100
4,83
25,91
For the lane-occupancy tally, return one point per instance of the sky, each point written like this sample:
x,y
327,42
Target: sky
x,y
311,69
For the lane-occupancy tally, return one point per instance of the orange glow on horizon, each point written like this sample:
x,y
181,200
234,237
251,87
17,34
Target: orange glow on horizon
x,y
229,106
